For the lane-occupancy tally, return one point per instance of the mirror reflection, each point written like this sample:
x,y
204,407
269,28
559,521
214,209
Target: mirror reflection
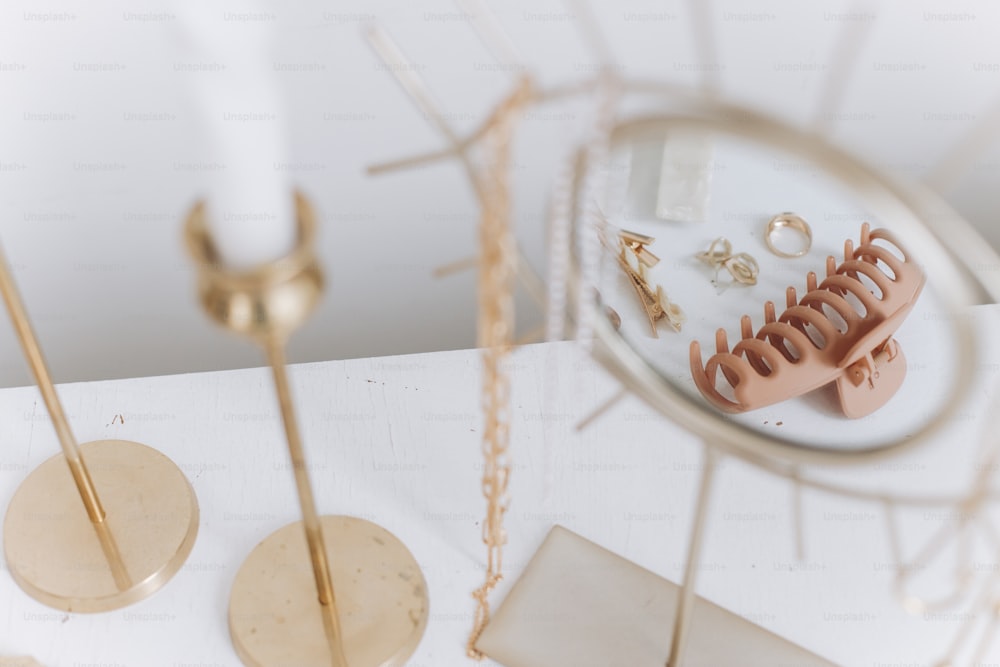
x,y
772,291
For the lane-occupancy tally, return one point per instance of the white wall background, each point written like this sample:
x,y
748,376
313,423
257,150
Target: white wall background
x,y
91,202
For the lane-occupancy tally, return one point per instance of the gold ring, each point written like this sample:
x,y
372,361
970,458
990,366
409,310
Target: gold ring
x,y
792,221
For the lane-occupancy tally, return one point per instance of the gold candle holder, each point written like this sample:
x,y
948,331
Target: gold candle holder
x,y
101,525
281,610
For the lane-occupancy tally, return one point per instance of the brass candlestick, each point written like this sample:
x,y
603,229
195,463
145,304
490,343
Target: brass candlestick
x,y
103,524
280,611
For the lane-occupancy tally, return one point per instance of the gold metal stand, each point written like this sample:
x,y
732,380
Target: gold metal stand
x,y
283,611
119,535
686,597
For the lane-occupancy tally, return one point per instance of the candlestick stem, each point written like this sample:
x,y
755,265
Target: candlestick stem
x,y
33,353
274,348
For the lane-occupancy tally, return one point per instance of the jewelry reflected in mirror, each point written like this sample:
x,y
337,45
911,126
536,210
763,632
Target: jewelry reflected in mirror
x,y
635,259
741,266
788,221
841,331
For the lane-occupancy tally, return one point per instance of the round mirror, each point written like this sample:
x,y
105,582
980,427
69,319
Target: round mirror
x,y
691,231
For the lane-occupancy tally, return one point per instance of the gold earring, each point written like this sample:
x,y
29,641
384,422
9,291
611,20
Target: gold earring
x,y
741,266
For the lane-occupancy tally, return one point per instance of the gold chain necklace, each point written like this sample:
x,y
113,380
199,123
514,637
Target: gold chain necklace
x,y
496,330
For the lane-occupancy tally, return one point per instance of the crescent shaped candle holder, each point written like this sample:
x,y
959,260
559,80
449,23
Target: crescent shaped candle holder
x,y
326,590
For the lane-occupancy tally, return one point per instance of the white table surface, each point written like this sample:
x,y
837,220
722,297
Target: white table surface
x,y
396,440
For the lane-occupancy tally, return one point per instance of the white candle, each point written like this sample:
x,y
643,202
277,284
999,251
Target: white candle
x,y
249,204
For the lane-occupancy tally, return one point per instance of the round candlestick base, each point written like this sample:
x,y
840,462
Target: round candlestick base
x,y
64,560
381,596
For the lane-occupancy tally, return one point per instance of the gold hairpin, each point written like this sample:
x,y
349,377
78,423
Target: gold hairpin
x,y
635,259
637,244
741,266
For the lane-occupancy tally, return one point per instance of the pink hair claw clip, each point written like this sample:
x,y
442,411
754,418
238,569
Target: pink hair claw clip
x,y
840,331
